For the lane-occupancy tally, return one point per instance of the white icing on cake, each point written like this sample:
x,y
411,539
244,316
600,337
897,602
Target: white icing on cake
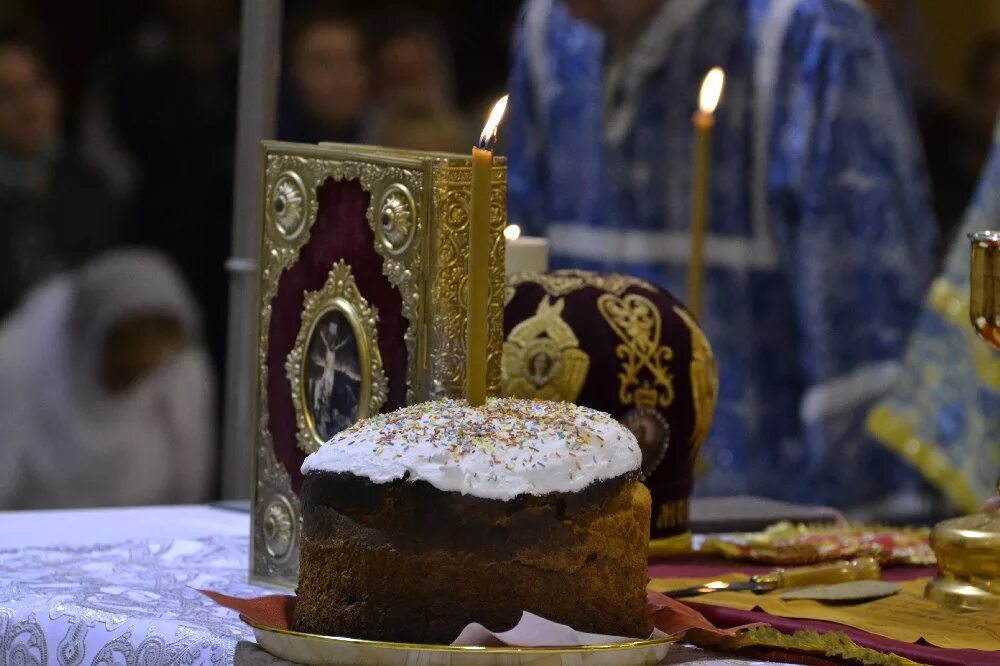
x,y
499,451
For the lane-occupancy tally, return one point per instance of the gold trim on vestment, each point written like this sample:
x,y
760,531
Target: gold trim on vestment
x,y
900,437
952,303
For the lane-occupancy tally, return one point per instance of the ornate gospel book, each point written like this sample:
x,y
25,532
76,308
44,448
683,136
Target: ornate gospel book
x,y
361,307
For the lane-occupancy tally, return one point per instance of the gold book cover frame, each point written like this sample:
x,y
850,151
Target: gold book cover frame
x,y
418,214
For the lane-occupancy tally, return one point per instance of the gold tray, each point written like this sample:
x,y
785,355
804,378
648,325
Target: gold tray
x,y
317,650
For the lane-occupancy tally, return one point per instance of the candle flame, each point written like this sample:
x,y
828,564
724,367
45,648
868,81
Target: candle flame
x,y
490,129
711,90
512,232
717,585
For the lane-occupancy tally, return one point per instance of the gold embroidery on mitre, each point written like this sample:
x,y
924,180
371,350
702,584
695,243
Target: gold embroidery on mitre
x,y
542,357
704,381
566,281
672,514
636,321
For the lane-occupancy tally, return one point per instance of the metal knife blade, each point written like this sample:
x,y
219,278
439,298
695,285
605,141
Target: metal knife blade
x,y
718,586
862,568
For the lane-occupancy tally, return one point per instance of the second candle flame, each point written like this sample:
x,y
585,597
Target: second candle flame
x,y
496,115
711,90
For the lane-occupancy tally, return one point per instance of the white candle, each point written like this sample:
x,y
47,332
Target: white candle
x,y
525,254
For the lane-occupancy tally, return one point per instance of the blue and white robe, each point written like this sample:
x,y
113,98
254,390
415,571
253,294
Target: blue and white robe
x,y
943,415
820,238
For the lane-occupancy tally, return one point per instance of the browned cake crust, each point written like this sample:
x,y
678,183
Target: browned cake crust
x,y
406,562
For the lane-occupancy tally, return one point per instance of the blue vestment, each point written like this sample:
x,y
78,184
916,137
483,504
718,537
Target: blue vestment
x,y
820,238
943,415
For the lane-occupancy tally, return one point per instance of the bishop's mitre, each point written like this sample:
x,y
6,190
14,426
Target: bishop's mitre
x,y
624,346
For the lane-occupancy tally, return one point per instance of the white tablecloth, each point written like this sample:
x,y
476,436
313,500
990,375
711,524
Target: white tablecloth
x,y
118,586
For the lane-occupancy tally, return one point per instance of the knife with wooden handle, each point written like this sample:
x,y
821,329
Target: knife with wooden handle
x,y
842,571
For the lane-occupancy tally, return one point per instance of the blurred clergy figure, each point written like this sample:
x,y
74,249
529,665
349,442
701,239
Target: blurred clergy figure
x,y
943,414
820,238
106,390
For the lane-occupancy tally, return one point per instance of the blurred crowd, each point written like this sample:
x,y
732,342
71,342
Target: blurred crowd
x,y
116,173
133,148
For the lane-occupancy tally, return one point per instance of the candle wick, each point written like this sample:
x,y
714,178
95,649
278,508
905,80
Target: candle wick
x,y
486,142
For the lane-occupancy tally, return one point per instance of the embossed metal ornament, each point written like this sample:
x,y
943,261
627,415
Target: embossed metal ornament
x,y
652,432
279,527
288,205
396,219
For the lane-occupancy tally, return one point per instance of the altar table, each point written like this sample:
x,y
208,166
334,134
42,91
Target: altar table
x,y
110,586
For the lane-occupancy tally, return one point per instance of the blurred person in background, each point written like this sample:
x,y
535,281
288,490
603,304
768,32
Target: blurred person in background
x,y
943,413
411,61
955,131
983,81
420,127
821,236
106,390
325,93
164,111
55,211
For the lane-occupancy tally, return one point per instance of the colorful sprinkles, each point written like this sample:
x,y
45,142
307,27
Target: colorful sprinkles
x,y
503,436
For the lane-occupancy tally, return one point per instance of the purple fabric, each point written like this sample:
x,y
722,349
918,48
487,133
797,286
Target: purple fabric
x,y
341,231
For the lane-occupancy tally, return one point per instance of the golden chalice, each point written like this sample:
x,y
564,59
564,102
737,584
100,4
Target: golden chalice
x,y
968,548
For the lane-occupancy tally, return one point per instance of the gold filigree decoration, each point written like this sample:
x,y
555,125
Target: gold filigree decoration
x,y
542,357
564,282
446,369
637,322
277,527
339,294
704,381
405,272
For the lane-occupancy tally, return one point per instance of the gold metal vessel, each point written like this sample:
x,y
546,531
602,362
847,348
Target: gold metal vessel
x,y
968,548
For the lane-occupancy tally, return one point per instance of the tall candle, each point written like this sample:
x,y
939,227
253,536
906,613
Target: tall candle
x,y
704,121
477,323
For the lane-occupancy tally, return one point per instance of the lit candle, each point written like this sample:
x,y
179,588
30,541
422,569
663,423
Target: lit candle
x,y
477,325
525,254
704,120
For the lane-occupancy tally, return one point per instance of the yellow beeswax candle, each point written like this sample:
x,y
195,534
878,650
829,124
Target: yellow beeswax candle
x,y
477,324
704,121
